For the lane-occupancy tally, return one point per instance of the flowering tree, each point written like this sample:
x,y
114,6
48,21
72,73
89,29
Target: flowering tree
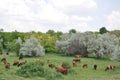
x,y
80,43
74,44
32,48
103,44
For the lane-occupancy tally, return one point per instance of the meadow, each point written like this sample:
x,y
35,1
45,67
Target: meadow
x,y
78,73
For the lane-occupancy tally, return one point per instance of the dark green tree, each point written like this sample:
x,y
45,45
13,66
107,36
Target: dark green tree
x,y
103,30
72,31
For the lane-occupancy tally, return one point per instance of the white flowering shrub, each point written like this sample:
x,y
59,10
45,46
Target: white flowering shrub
x,y
1,46
103,44
116,54
88,42
76,44
32,48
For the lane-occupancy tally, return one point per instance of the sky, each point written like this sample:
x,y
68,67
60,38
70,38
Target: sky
x,y
59,15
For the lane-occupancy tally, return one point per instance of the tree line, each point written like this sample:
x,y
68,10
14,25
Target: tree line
x,y
100,43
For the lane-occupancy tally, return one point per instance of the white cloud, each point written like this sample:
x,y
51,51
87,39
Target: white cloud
x,y
42,15
113,20
74,6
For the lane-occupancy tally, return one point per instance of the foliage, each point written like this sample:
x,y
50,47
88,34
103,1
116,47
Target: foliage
x,y
1,46
17,46
32,48
116,54
66,65
75,43
115,32
47,40
72,31
31,69
34,70
103,30
88,42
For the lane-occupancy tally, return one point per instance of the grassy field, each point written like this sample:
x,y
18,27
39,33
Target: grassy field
x,y
78,72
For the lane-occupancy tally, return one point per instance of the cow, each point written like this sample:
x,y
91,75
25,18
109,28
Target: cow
x,y
77,56
76,59
7,65
22,63
95,66
51,65
15,63
110,67
61,69
85,66
74,63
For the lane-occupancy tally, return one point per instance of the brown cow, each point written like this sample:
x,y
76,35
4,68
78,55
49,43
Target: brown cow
x,y
77,56
7,65
85,54
15,63
51,65
4,60
76,59
61,69
110,67
85,66
74,63
21,63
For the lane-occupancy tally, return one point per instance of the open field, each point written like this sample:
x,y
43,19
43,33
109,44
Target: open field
x,y
78,72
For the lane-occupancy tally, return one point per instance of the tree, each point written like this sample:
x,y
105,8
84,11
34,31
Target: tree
x,y
18,45
116,54
103,30
72,31
103,45
1,46
32,48
51,32
75,43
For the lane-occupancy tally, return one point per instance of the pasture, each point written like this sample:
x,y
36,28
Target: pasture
x,y
78,73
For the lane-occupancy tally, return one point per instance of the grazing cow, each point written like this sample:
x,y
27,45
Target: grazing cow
x,y
110,67
7,53
74,63
15,63
95,67
7,65
61,69
85,55
85,66
21,63
3,59
51,65
76,59
77,56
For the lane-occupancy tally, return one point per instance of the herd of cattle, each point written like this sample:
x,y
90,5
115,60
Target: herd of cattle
x,y
62,69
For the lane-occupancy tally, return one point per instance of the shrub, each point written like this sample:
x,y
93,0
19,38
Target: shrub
x,y
66,65
32,48
34,70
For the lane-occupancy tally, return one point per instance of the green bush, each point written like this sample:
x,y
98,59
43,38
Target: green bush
x,y
66,65
34,70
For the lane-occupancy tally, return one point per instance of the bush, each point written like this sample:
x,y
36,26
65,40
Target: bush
x,y
66,65
32,48
34,70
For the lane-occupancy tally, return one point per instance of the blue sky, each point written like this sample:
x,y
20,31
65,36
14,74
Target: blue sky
x,y
59,15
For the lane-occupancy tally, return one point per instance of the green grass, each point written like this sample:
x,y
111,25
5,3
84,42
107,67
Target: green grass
x,y
76,73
